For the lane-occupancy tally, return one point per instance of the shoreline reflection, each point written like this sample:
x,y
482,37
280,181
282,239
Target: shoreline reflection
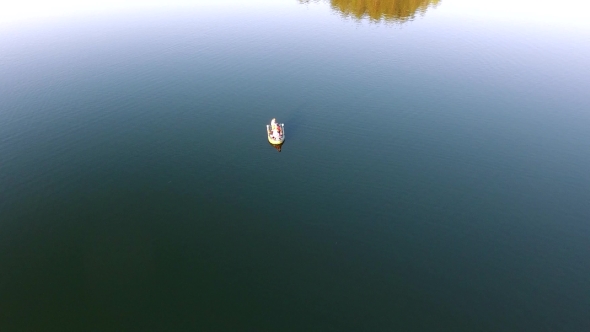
x,y
398,11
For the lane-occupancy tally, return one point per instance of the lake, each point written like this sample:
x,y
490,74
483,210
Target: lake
x,y
434,177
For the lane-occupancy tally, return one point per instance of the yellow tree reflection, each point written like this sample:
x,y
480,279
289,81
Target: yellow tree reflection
x,y
376,10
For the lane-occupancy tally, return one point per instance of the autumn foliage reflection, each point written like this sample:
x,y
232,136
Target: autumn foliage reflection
x,y
388,10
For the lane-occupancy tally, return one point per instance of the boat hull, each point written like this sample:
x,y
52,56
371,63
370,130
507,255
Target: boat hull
x,y
271,139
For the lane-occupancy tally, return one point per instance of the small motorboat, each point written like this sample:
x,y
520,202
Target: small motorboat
x,y
276,132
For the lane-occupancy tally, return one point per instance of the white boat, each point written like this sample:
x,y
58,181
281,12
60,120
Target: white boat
x,y
276,132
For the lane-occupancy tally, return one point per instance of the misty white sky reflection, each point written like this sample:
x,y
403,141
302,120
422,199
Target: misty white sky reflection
x,y
538,12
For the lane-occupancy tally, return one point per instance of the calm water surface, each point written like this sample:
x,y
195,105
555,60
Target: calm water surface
x,y
435,175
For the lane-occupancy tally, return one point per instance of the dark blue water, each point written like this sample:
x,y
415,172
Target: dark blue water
x,y
434,177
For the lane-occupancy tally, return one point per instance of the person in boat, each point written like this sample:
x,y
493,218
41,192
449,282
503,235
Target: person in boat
x,y
275,134
275,129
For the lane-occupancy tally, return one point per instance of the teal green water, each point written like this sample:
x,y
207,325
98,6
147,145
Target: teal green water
x,y
434,176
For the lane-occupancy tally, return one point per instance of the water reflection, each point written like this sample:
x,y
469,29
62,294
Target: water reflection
x,y
277,146
376,10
